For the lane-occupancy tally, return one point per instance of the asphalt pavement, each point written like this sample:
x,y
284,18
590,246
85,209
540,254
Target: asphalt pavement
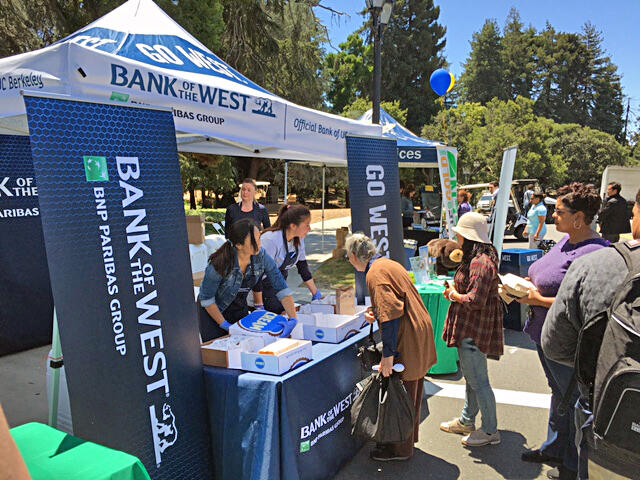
x,y
517,378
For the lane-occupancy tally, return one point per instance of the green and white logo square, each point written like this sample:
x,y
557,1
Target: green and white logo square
x,y
305,446
95,168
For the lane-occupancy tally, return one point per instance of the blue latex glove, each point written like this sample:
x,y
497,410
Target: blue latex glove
x,y
258,306
225,326
288,327
317,296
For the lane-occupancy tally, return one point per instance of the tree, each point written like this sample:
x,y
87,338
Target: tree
x,y
518,57
483,78
349,73
412,49
361,105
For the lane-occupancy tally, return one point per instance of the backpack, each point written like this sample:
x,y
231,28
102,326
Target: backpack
x,y
607,369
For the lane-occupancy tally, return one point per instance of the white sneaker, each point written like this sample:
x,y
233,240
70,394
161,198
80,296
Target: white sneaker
x,y
480,438
456,426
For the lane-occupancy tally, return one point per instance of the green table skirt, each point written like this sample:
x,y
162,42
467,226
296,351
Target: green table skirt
x,y
54,455
438,307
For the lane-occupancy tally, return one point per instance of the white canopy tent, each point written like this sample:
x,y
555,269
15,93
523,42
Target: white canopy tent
x,y
138,55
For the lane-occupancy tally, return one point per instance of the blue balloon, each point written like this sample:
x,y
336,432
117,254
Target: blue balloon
x,y
440,81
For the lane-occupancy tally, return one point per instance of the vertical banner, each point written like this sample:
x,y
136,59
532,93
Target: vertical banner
x,y
448,166
374,193
499,215
26,305
114,228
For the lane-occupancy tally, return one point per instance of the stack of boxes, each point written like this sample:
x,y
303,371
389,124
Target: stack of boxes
x,y
197,248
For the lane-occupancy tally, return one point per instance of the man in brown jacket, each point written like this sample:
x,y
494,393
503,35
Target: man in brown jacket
x,y
405,324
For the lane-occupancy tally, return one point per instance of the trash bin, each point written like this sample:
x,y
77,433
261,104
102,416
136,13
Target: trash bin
x,y
517,261
438,307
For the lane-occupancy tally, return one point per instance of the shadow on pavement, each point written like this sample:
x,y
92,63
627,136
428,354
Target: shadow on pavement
x,y
513,338
505,458
421,466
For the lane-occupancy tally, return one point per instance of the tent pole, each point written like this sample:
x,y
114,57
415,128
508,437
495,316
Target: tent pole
x,y
286,181
56,355
324,168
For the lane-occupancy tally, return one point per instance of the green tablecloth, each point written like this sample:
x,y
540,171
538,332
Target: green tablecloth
x,y
54,455
438,306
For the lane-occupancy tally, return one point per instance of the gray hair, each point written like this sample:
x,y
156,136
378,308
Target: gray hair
x,y
361,246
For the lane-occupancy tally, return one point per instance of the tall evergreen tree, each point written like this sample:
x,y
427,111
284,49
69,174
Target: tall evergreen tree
x,y
483,77
518,57
412,49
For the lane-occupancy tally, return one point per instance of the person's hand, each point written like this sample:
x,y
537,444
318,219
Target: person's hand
x,y
369,316
386,366
225,326
525,233
258,306
533,298
316,296
288,327
535,237
447,293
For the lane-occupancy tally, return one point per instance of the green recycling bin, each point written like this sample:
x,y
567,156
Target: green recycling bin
x,y
438,307
54,455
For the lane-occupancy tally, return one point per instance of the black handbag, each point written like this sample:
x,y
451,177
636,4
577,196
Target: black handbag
x,y
383,412
370,354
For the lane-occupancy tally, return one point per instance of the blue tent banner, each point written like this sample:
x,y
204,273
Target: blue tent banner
x,y
26,305
115,234
374,193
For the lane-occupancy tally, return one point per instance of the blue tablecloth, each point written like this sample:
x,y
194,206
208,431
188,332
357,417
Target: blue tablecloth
x,y
296,426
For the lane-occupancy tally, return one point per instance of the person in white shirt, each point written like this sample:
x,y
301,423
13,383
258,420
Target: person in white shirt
x,y
284,242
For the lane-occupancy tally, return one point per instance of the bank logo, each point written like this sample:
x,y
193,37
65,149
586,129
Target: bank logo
x,y
264,107
320,333
305,446
259,363
95,168
119,97
164,431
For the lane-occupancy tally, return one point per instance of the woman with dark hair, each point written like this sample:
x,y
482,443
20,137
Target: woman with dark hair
x,y
536,220
247,208
406,203
284,243
463,200
474,326
576,206
233,270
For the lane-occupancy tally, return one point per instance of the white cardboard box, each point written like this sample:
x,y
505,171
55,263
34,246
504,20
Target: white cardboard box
x,y
327,328
278,364
230,355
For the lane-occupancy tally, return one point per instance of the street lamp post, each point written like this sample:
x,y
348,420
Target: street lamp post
x,y
380,14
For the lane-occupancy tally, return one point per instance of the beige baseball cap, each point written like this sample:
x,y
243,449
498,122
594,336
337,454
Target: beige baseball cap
x,y
473,226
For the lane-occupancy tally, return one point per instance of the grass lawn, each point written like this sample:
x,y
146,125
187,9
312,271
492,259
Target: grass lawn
x,y
334,273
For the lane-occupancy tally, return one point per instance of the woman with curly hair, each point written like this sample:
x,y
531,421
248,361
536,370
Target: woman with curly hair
x,y
576,207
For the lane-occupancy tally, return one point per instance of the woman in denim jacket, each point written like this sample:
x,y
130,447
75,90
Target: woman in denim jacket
x,y
232,272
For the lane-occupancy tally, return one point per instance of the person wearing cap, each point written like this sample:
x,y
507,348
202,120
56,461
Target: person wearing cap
x,y
474,327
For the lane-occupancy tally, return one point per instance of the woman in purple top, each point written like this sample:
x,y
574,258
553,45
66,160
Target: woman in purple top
x,y
576,207
463,200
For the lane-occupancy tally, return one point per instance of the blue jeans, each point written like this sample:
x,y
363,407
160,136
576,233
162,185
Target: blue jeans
x,y
563,445
479,395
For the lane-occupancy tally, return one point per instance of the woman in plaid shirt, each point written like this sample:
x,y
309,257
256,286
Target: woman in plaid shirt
x,y
474,326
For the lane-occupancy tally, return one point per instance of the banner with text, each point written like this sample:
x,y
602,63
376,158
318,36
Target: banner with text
x,y
26,306
448,166
114,228
374,193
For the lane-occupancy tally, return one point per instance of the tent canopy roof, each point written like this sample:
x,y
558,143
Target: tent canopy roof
x,y
138,55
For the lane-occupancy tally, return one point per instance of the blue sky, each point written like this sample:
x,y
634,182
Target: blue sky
x,y
618,20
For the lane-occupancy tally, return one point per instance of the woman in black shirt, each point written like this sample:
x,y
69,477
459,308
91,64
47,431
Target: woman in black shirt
x,y
247,208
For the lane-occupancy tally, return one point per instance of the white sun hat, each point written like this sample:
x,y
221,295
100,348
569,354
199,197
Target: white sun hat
x,y
473,226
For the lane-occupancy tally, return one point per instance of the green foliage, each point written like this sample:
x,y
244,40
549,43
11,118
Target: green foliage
x,y
568,75
349,73
412,49
554,153
356,109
